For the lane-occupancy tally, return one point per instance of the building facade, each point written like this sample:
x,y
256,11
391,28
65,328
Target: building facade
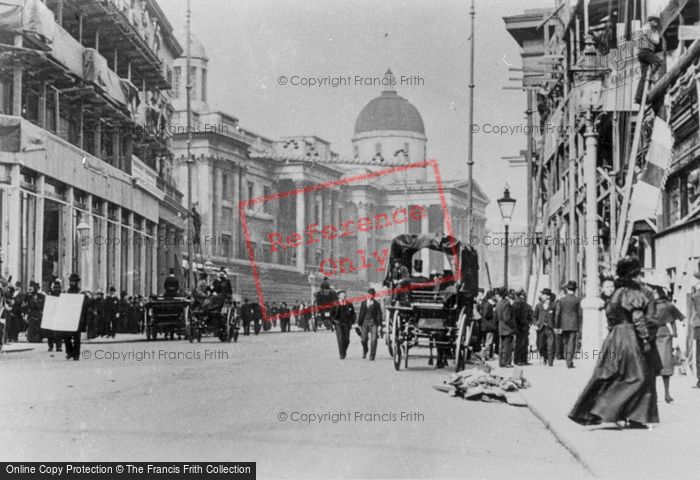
x,y
588,153
231,165
85,147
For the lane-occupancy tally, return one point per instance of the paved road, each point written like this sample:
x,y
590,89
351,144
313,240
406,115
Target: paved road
x,y
228,407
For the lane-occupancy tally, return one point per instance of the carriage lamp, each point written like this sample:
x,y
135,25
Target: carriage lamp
x,y
506,204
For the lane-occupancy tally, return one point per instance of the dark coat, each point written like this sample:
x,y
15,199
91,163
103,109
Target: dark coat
x,y
522,315
568,313
345,314
489,322
171,286
373,314
504,315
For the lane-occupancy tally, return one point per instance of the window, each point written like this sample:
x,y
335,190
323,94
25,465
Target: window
x,y
226,245
356,151
378,148
251,190
193,79
224,186
406,150
266,254
204,84
176,82
267,191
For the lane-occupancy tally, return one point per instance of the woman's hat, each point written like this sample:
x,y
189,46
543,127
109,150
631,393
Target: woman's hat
x,y
628,267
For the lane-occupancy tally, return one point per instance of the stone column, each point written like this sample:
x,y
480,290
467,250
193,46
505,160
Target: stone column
x,y
104,229
300,227
142,259
39,230
154,263
118,251
591,325
362,239
68,231
87,257
13,244
17,71
130,256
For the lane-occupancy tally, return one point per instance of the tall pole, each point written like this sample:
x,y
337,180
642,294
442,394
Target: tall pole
x,y
188,88
505,260
531,207
470,160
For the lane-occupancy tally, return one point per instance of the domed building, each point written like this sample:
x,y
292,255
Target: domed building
x,y
318,190
390,129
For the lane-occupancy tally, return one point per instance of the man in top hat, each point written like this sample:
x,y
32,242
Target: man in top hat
x,y
544,320
110,309
33,308
171,285
73,340
284,316
506,327
98,313
343,318
567,320
369,321
648,48
15,323
522,314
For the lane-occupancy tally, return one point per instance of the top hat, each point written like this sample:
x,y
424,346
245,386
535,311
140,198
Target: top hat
x,y
371,291
546,291
74,277
571,286
171,270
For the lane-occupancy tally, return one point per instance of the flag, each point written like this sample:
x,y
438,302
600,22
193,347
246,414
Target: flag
x,y
647,190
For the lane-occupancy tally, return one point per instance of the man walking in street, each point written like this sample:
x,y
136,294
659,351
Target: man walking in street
x,y
110,309
522,316
55,339
343,318
489,325
369,321
246,316
544,320
73,339
567,319
285,317
506,328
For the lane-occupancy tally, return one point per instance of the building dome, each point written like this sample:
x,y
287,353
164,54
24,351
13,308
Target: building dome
x,y
389,111
196,47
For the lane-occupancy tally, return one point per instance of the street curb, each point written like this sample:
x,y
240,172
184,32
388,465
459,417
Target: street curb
x,y
15,350
561,438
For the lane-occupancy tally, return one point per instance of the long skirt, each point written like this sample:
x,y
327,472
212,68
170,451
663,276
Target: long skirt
x,y
664,343
623,385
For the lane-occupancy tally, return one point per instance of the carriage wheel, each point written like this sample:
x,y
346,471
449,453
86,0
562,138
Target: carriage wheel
x,y
234,326
389,330
464,333
395,341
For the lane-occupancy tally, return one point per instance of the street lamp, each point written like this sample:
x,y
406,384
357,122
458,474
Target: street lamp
x,y
312,282
506,204
83,231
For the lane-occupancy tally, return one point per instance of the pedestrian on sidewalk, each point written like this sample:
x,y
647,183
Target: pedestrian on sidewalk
x,y
369,321
544,320
567,318
522,315
489,325
73,339
285,317
623,385
506,328
343,318
664,314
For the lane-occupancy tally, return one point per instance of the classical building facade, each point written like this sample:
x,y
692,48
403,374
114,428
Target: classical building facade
x,y
85,162
231,165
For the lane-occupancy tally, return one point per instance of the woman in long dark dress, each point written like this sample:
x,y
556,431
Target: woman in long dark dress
x,y
623,385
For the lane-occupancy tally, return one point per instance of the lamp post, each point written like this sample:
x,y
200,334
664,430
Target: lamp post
x,y
83,230
506,204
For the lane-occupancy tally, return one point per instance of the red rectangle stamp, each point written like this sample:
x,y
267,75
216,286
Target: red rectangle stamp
x,y
339,233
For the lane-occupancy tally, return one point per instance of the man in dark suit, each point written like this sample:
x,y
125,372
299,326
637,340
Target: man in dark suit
x,y
73,339
343,318
489,325
370,320
567,319
506,328
171,285
522,315
544,320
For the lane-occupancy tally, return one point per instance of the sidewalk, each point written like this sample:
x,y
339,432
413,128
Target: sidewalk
x,y
667,451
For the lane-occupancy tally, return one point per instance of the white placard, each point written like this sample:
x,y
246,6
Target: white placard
x,y
62,313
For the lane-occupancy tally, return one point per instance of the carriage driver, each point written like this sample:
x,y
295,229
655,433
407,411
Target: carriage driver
x,y
171,285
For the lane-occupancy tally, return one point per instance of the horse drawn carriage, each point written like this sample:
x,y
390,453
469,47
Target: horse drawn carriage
x,y
435,313
168,316
217,315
